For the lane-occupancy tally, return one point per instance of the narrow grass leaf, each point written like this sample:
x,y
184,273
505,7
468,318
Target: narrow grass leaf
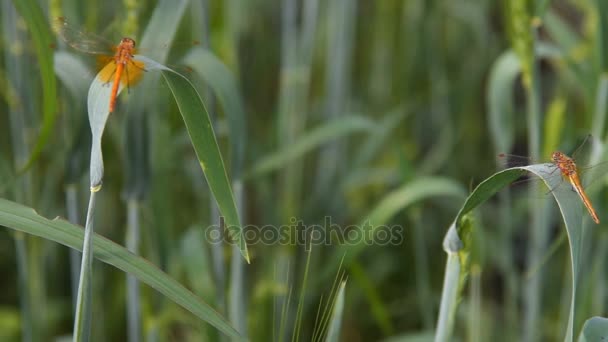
x,y
84,313
224,85
205,145
413,192
503,75
42,38
329,131
24,219
500,99
66,67
381,133
73,74
162,27
335,322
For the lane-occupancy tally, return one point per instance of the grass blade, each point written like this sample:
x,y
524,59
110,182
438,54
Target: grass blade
x,y
455,243
83,315
42,39
329,131
225,87
24,219
335,324
410,193
457,249
205,145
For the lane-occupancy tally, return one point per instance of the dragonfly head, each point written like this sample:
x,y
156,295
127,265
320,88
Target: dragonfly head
x,y
557,156
127,43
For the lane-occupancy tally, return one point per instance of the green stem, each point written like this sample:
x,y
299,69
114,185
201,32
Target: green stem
x,y
71,195
538,229
82,323
23,282
133,302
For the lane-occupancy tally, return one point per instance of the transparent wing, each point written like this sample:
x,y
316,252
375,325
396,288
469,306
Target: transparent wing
x,y
590,174
506,160
81,40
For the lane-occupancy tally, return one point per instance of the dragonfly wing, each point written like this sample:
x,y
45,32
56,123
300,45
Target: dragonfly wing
x,y
134,71
80,40
591,175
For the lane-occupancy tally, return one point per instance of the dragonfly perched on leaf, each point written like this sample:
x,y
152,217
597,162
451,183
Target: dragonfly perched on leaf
x,y
120,69
566,168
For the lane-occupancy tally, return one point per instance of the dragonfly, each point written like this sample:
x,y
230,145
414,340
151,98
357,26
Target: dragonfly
x,y
120,69
570,172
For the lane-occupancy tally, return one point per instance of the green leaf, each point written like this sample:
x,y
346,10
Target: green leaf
x,y
329,131
457,250
42,39
571,210
335,323
225,87
205,145
499,95
500,99
201,134
595,329
98,108
413,192
67,66
24,219
84,308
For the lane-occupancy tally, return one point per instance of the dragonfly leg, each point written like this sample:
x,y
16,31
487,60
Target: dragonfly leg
x,y
128,86
580,146
137,66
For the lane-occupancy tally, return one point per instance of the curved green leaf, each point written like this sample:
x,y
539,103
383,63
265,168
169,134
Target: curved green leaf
x,y
66,66
499,95
205,145
98,108
457,250
224,85
399,199
24,219
571,210
500,99
201,134
42,39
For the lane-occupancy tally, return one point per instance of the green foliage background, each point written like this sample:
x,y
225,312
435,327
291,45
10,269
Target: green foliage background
x,y
350,112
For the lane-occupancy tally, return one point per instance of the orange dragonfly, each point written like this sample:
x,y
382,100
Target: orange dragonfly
x,y
122,69
569,171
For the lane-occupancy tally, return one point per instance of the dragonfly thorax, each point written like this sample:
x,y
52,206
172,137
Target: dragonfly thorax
x,y
566,165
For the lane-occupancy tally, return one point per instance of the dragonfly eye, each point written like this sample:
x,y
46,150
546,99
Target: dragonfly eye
x,y
128,41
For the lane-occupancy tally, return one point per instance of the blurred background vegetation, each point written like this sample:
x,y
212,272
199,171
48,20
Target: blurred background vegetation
x,y
347,109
